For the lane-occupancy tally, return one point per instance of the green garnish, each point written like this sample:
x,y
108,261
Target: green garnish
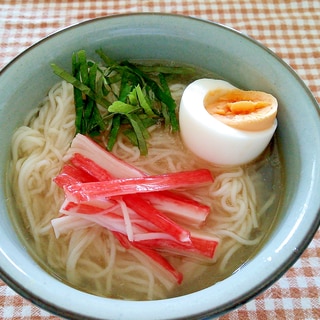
x,y
112,97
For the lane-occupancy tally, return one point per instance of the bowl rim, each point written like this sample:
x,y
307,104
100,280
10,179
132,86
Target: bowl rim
x,y
44,304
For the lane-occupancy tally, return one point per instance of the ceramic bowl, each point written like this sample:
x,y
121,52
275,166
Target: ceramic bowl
x,y
237,58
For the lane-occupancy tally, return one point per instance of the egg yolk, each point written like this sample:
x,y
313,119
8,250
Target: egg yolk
x,y
246,110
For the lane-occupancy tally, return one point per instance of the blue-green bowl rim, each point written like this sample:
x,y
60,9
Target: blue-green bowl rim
x,y
42,303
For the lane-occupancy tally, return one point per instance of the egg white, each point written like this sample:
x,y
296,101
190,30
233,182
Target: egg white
x,y
211,139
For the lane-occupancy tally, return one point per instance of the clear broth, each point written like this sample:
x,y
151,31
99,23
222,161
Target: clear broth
x,y
268,165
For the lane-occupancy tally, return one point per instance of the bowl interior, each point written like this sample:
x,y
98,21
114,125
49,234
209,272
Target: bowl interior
x,y
235,57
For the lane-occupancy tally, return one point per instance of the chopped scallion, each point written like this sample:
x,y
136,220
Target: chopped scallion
x,y
112,97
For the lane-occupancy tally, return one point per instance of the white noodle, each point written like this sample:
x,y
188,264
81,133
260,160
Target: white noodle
x,y
89,253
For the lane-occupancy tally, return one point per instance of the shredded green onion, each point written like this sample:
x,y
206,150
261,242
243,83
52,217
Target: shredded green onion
x,y
112,97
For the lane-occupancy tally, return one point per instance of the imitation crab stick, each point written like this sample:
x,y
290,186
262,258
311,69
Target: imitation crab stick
x,y
184,209
116,187
108,220
138,205
189,210
160,260
115,166
154,255
111,218
89,166
65,224
150,213
141,210
180,207
71,175
197,246
89,208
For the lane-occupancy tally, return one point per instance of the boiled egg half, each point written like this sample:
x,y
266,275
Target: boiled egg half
x,y
225,125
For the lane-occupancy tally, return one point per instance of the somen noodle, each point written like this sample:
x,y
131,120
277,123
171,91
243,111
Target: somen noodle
x,y
89,257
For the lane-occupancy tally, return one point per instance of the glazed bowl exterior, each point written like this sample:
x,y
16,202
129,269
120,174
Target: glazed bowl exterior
x,y
235,57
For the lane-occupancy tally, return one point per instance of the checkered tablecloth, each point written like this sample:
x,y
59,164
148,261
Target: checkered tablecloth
x,y
290,28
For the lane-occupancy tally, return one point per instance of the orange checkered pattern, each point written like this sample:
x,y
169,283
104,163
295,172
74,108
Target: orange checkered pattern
x,y
290,28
